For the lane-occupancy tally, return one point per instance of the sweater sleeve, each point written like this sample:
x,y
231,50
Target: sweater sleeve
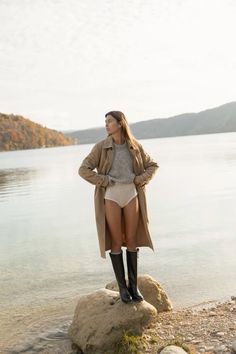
x,y
87,166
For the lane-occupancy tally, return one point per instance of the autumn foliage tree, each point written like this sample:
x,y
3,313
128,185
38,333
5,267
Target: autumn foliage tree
x,y
17,133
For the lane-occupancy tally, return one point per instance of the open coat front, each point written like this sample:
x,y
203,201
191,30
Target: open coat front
x,y
101,157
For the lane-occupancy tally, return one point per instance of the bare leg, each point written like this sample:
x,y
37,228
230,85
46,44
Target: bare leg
x,y
131,215
113,217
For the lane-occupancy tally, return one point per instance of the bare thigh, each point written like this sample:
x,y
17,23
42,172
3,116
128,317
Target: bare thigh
x,y
131,215
113,214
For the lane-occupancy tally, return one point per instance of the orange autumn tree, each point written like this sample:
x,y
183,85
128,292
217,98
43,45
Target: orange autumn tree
x,y
17,133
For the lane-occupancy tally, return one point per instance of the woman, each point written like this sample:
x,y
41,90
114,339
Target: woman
x,y
123,170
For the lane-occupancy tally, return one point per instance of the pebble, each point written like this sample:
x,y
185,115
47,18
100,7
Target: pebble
x,y
171,337
189,339
213,333
220,334
222,347
212,313
211,347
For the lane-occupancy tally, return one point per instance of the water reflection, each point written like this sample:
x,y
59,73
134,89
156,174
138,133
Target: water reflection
x,y
16,181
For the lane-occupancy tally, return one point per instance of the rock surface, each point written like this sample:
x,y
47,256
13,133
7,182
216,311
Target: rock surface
x,y
151,291
100,318
173,349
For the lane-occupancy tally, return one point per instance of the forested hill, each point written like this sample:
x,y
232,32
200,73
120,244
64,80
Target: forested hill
x,y
219,119
19,133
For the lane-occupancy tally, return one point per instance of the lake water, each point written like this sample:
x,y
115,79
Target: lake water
x,y
49,253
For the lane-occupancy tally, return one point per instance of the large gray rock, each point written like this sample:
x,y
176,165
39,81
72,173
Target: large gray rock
x,y
173,349
151,291
101,317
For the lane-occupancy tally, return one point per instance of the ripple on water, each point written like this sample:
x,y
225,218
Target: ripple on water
x,y
52,341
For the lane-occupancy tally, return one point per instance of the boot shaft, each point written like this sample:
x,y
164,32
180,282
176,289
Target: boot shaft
x,y
118,267
132,265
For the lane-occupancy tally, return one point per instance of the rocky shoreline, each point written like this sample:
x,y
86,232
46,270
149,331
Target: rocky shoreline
x,y
199,329
204,330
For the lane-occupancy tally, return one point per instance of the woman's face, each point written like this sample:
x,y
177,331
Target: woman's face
x,y
112,126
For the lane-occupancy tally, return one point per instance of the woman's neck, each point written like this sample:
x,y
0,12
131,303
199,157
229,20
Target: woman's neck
x,y
118,139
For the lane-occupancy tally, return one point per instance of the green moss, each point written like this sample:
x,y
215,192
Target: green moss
x,y
129,344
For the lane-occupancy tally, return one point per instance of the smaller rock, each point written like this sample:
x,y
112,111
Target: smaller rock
x,y
220,334
189,339
219,348
209,348
173,349
151,290
213,333
170,337
196,341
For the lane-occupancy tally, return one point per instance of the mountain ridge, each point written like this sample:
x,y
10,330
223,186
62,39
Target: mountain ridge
x,y
219,119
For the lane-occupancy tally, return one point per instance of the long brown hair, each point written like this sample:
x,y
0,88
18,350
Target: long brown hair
x,y
120,117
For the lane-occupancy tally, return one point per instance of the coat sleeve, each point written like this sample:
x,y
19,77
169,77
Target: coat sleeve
x,y
150,168
87,166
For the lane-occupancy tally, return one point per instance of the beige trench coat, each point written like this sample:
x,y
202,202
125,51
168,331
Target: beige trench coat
x,y
101,157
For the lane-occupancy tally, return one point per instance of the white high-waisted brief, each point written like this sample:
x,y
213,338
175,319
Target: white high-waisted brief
x,y
121,193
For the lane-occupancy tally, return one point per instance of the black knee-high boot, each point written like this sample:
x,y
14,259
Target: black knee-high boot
x,y
132,265
118,266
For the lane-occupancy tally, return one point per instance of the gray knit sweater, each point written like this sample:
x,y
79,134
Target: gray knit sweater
x,y
122,165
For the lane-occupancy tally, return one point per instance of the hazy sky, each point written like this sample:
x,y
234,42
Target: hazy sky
x,y
65,63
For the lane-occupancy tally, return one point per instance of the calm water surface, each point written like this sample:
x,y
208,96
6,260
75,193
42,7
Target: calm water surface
x,y
49,253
